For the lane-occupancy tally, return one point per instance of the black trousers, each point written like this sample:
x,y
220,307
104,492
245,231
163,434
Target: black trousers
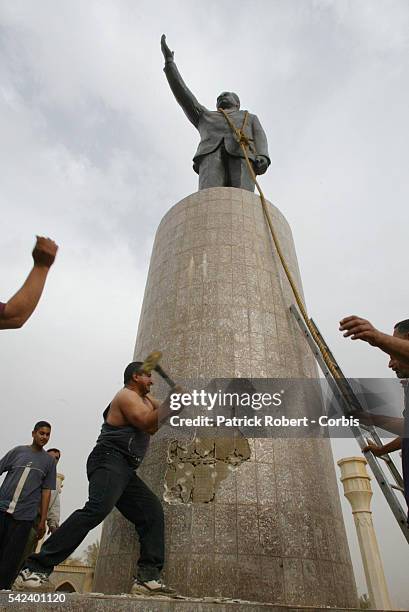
x,y
13,538
112,482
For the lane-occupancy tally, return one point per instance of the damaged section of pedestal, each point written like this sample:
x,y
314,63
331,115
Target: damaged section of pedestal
x,y
196,467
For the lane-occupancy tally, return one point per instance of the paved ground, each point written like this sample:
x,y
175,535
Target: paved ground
x,y
97,602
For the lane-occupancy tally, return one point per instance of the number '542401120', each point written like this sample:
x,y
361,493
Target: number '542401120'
x,y
37,597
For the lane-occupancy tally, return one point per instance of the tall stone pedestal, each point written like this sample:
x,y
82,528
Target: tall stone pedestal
x,y
216,303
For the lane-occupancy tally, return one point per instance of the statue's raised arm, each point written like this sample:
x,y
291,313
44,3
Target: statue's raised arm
x,y
180,90
219,159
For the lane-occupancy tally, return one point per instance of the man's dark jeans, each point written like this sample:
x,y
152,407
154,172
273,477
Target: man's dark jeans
x,y
13,538
112,482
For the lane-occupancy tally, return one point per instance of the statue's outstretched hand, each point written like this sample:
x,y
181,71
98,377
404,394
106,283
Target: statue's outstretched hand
x,y
167,53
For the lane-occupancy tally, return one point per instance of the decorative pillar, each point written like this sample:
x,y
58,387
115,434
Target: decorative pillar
x,y
358,491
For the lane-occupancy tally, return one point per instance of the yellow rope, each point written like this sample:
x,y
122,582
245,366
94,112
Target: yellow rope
x,y
244,142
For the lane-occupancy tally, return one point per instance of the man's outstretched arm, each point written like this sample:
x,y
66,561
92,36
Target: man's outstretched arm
x,y
395,425
182,93
360,329
21,306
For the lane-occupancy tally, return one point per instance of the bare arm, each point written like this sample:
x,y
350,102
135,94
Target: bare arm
x,y
396,347
395,425
147,415
21,306
53,514
360,329
45,502
392,446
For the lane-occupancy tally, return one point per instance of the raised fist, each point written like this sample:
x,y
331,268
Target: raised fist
x,y
44,252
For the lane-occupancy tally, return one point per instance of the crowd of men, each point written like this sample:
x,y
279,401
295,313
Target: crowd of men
x,y
28,498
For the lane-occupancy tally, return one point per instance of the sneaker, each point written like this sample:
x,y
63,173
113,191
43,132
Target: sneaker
x,y
151,587
28,580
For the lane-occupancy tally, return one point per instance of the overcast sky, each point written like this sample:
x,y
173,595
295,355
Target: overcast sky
x,y
94,150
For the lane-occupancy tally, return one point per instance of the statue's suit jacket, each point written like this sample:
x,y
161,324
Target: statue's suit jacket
x,y
212,125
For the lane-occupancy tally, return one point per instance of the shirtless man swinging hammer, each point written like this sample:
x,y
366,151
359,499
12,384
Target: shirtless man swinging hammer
x,y
129,421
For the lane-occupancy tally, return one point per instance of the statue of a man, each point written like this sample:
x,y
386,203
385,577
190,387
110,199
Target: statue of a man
x,y
219,159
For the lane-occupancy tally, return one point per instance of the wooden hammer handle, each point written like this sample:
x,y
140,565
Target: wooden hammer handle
x,y
165,377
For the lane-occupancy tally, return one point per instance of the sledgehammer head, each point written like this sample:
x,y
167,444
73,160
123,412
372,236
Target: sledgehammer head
x,y
151,361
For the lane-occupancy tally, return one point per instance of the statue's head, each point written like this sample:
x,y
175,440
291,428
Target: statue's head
x,y
228,99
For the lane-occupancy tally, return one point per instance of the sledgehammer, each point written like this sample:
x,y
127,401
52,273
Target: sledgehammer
x,y
152,363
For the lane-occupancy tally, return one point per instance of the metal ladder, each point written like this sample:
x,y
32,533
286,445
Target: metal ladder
x,y
350,403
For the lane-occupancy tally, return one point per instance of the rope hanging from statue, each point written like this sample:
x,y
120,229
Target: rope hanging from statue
x,y
244,142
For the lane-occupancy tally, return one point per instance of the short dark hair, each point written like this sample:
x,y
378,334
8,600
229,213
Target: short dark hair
x,y
54,450
402,327
40,424
135,367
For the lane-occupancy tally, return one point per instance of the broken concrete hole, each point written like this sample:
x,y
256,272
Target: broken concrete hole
x,y
196,467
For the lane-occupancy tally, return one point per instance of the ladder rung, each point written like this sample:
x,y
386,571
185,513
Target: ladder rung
x,y
396,487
